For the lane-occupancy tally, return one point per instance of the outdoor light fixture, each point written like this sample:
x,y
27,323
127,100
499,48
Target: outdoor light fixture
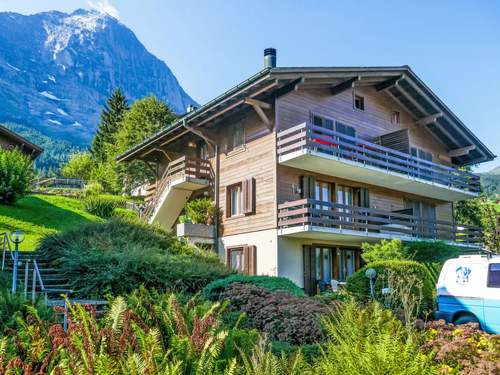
x,y
17,237
371,274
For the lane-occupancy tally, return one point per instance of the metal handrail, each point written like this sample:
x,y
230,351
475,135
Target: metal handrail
x,y
38,276
6,245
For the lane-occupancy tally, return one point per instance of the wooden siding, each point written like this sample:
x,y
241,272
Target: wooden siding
x,y
380,198
256,159
374,121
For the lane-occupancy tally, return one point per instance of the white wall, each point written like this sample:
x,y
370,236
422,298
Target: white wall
x,y
266,242
290,259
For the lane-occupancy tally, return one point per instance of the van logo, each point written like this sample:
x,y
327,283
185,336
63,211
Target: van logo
x,y
463,274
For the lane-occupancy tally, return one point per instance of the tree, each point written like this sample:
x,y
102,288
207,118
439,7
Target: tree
x,y
111,117
480,212
145,117
16,172
80,165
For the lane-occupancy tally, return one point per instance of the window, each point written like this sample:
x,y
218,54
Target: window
x,y
235,200
238,136
237,259
494,275
359,102
323,122
421,154
323,193
395,117
345,129
242,259
202,150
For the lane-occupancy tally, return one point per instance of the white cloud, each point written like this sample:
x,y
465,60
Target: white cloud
x,y
104,6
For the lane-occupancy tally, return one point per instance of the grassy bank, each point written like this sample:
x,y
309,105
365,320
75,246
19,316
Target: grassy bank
x,y
38,215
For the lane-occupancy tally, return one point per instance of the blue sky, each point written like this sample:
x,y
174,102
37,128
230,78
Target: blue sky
x,y
454,46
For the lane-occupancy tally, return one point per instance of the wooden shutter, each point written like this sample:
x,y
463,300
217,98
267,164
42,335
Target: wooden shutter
x,y
248,191
364,197
228,202
397,140
227,253
309,270
308,186
250,259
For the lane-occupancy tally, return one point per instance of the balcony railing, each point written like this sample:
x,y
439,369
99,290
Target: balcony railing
x,y
353,149
184,167
373,222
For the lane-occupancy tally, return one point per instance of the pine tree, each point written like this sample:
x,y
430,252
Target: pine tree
x,y
111,116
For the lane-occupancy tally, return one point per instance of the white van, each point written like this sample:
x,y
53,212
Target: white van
x,y
468,290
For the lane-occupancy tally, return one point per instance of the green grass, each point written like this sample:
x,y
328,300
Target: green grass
x,y
38,215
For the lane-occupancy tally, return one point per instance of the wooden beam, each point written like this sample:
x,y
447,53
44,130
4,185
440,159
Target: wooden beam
x,y
291,86
347,84
210,142
258,103
429,119
461,151
388,83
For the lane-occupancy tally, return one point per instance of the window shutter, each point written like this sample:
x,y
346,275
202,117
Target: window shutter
x,y
248,190
250,259
227,253
309,270
308,187
228,202
364,197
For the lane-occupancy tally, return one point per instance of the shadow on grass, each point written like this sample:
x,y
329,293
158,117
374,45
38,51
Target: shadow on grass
x,y
42,213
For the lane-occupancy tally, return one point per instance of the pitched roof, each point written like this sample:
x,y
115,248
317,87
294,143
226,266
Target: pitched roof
x,y
35,150
400,82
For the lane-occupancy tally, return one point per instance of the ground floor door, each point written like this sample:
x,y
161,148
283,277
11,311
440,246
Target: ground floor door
x,y
322,264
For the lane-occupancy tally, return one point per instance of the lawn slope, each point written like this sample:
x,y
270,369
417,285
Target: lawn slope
x,y
38,215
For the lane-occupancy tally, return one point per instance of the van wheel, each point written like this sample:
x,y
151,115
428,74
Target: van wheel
x,y
464,319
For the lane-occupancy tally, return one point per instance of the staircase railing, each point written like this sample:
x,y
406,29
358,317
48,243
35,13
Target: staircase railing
x,y
37,277
187,166
6,247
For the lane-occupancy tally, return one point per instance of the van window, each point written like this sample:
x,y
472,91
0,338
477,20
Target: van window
x,y
494,275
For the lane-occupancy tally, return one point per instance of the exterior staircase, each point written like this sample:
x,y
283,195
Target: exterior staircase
x,y
169,195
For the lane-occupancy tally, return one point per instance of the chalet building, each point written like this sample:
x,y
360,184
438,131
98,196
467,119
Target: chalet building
x,y
10,140
306,164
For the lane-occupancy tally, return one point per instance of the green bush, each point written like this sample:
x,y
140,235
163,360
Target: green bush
x,y
199,211
281,316
385,250
125,214
99,206
94,188
16,172
358,284
430,251
213,290
117,256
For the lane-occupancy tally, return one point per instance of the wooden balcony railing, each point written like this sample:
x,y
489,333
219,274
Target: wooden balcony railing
x,y
188,167
329,142
332,215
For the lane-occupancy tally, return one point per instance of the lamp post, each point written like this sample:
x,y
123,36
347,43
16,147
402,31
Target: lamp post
x,y
371,274
17,237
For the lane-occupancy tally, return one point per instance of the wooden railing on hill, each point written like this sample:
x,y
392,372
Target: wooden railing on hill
x,y
188,167
330,142
317,213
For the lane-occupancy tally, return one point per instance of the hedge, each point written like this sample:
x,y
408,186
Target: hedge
x,y
213,290
358,284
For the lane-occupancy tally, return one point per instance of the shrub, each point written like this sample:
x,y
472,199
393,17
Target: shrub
x,y
465,349
125,214
281,316
16,172
118,256
430,251
94,188
199,211
79,165
213,290
370,340
407,271
385,250
99,206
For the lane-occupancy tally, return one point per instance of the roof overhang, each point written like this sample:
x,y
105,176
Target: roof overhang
x,y
33,150
401,83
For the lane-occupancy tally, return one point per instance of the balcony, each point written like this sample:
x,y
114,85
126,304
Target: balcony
x,y
167,197
328,152
313,219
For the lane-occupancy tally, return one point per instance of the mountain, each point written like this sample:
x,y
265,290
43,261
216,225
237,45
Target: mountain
x,y
490,182
57,69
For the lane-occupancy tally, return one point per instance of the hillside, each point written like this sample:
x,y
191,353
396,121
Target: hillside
x,y
490,181
57,69
38,215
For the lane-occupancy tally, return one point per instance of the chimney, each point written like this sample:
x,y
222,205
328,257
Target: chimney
x,y
190,108
270,58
